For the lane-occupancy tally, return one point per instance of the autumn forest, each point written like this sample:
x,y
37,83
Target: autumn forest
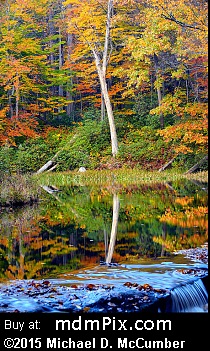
x,y
103,155
103,84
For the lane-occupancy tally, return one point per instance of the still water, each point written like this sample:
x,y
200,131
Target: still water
x,y
93,235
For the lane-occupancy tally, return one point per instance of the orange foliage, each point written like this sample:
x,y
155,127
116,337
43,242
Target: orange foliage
x,y
188,135
193,217
173,243
184,201
23,125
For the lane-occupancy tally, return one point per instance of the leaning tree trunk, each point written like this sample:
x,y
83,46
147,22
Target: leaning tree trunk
x,y
51,164
159,94
102,108
166,165
105,52
108,104
197,165
101,66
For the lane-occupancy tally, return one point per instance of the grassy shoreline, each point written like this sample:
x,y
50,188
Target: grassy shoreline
x,y
18,190
117,177
26,189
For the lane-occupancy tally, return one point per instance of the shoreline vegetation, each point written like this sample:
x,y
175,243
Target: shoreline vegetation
x,y
18,189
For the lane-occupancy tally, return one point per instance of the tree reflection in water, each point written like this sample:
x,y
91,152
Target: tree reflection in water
x,y
113,236
70,229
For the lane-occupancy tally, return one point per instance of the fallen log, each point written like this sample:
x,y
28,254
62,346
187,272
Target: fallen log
x,y
45,167
52,168
197,165
51,163
166,165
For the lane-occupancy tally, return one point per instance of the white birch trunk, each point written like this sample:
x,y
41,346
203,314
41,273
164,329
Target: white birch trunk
x,y
101,69
105,52
108,104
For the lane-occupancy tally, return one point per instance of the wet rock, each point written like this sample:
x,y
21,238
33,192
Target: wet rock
x,y
199,254
42,296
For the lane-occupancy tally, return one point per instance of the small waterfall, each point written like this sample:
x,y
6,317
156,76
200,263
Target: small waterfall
x,y
191,297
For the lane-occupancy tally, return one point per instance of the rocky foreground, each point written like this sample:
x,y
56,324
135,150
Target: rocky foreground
x,y
43,296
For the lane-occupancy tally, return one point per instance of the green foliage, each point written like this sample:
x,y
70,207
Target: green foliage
x,y
143,146
185,162
91,113
30,155
142,106
91,140
7,157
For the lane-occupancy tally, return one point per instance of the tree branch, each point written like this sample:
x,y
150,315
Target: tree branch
x,y
182,24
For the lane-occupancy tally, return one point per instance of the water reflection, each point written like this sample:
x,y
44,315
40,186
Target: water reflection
x,y
77,228
113,236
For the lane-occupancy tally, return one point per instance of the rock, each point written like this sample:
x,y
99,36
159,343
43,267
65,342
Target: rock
x,y
82,169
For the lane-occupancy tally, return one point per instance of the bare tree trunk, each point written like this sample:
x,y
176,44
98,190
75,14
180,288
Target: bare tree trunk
x,y
17,96
51,32
51,163
102,108
108,104
159,103
45,167
60,88
70,106
159,94
105,52
10,94
60,65
113,236
197,165
101,69
107,36
166,165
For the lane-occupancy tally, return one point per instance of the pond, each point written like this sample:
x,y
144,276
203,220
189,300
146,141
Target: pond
x,y
95,240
